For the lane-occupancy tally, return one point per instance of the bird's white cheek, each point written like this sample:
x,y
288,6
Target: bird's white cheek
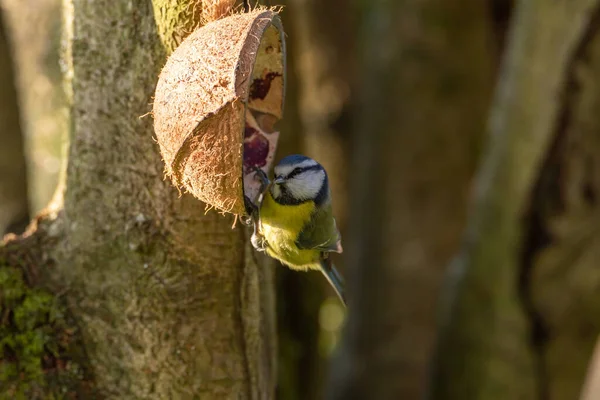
x,y
308,186
300,192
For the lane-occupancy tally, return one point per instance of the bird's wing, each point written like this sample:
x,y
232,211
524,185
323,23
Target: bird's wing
x,y
320,232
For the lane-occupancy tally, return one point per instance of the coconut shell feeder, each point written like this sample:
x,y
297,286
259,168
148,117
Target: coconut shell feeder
x,y
216,102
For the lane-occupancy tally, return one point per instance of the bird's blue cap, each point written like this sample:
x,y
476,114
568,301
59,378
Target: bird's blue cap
x,y
293,159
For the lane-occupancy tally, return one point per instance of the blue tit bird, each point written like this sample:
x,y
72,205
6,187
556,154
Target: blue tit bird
x,y
294,222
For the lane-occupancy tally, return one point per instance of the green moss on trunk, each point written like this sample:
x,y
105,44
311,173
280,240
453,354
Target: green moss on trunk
x,y
37,342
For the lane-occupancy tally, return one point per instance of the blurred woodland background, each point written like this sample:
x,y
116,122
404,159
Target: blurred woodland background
x,y
462,144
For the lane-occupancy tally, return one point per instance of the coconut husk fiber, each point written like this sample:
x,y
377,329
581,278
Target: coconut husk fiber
x,y
213,85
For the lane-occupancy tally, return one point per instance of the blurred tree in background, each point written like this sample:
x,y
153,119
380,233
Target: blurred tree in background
x,y
428,69
321,71
35,27
519,316
460,134
14,204
522,313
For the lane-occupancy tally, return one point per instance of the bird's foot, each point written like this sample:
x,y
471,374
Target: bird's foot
x,y
252,210
246,220
262,177
258,242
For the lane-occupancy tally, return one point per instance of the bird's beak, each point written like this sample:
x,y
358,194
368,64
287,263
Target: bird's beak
x,y
278,181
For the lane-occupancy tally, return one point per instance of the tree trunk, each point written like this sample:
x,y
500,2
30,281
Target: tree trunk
x,y
170,302
14,205
424,85
522,311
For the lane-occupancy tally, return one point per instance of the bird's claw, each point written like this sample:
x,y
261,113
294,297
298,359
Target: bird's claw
x,y
252,211
263,178
246,220
258,242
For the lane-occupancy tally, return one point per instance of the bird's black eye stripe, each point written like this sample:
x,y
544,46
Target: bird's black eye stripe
x,y
297,171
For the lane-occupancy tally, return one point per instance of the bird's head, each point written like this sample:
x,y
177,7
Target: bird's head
x,y
299,179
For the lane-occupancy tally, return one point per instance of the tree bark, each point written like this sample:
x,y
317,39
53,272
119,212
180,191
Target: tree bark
x,y
424,86
14,204
170,302
510,322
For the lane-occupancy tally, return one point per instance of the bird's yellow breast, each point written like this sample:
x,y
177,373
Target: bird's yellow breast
x,y
280,225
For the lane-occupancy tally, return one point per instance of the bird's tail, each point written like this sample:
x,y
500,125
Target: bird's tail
x,y
334,278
